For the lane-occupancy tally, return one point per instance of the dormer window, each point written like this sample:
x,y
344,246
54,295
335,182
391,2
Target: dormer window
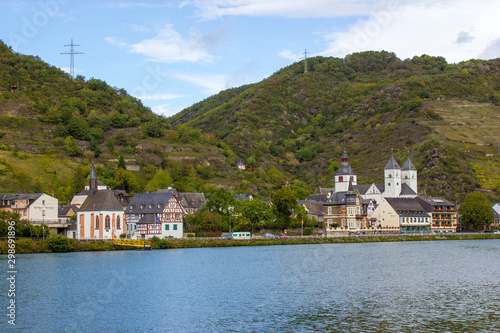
x,y
142,206
160,205
151,206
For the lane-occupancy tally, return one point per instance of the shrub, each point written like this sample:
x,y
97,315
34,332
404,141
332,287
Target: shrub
x,y
58,243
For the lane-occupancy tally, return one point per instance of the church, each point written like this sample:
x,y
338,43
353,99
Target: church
x,y
398,182
101,215
350,205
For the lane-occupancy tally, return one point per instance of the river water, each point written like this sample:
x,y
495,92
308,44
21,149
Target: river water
x,y
434,286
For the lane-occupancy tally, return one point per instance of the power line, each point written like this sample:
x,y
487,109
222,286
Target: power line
x,y
72,53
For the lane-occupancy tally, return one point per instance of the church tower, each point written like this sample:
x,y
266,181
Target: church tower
x,y
392,179
344,175
409,175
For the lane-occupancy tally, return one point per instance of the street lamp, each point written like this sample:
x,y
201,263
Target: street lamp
x,y
43,228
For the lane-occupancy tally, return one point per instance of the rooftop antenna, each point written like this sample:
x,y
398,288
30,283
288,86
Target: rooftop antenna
x,y
305,61
72,53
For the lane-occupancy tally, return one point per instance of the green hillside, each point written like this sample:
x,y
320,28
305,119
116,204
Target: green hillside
x,y
373,105
53,126
291,127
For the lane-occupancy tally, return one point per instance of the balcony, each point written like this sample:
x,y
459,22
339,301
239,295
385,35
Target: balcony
x,y
19,206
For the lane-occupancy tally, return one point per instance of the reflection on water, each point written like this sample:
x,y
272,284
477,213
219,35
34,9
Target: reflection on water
x,y
440,286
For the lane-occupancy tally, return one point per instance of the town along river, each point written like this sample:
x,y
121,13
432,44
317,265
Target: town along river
x,y
427,286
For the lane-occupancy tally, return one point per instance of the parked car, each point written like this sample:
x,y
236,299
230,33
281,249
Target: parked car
x,y
281,236
268,235
227,237
496,232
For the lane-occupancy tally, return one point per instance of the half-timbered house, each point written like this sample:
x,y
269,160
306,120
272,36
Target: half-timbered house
x,y
157,214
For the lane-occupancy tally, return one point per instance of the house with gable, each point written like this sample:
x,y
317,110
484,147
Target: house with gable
x,y
443,213
407,214
192,202
345,209
157,214
314,209
496,216
240,165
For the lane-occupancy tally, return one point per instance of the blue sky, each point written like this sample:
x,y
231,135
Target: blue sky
x,y
172,54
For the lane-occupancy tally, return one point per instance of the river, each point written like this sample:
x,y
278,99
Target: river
x,y
426,286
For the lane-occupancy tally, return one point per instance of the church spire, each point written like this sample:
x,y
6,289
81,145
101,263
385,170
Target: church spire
x,y
93,178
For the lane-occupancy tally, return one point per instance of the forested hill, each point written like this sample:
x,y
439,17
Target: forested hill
x,y
291,127
373,104
47,93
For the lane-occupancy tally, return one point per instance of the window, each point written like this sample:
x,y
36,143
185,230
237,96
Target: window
x,y
142,206
160,205
107,222
341,179
132,207
167,227
135,227
97,222
151,206
177,216
175,226
118,222
168,216
329,210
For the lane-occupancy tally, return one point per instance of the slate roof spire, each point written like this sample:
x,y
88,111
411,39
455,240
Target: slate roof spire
x,y
92,180
392,164
408,165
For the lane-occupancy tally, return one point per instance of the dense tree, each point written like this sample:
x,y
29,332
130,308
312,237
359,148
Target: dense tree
x,y
121,163
23,228
154,129
255,214
284,203
475,211
71,147
127,180
205,223
160,180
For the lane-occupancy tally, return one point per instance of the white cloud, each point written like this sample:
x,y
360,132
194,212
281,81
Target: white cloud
x,y
166,109
283,8
115,41
458,30
168,46
287,54
125,5
139,28
210,84
161,97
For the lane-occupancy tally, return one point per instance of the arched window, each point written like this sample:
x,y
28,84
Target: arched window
x,y
97,222
118,222
107,222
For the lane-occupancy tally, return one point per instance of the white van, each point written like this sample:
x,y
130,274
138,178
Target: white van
x,y
242,235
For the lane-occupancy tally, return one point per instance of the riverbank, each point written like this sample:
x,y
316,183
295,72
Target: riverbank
x,y
59,244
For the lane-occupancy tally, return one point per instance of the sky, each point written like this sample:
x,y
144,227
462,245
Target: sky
x,y
173,54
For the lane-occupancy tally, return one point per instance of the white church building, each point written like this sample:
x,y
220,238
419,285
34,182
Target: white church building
x,y
398,182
